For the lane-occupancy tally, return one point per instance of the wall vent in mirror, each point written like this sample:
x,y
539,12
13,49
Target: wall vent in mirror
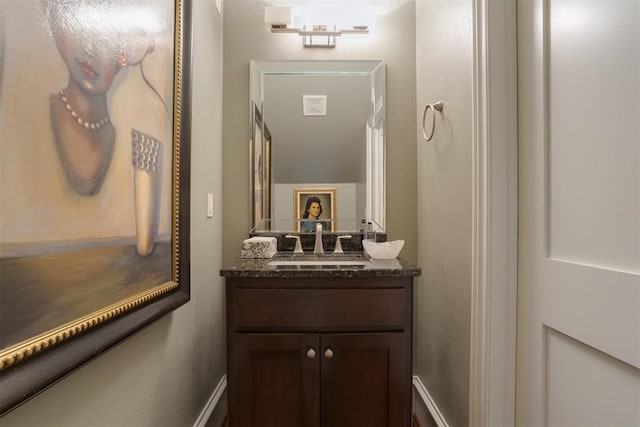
x,y
314,105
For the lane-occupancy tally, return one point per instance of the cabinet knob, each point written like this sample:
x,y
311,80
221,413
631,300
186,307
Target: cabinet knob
x,y
311,353
328,353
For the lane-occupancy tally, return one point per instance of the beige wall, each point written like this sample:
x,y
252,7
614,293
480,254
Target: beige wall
x,y
443,292
165,374
393,41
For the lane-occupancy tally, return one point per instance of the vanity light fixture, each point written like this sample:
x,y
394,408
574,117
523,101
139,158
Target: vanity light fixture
x,y
280,20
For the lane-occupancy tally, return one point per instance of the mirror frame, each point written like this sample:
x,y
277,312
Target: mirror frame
x,y
260,197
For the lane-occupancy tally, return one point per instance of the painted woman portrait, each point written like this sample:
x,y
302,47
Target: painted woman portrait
x,y
83,133
86,153
81,81
311,216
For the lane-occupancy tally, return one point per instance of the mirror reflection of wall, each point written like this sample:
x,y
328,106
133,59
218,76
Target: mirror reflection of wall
x,y
324,149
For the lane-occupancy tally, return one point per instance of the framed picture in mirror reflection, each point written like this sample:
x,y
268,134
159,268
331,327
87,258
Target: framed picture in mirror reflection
x,y
260,149
313,205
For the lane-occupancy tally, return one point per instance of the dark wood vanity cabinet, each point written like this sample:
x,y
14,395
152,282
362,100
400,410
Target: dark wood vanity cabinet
x,y
319,351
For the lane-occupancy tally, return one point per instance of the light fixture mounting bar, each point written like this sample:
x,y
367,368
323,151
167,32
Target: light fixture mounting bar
x,y
319,36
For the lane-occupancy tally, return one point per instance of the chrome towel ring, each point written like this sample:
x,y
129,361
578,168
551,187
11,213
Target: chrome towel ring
x,y
437,106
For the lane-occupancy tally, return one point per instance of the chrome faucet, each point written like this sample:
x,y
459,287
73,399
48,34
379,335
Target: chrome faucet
x,y
318,249
338,248
298,248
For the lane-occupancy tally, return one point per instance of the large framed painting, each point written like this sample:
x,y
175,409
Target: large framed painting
x,y
94,180
260,160
314,205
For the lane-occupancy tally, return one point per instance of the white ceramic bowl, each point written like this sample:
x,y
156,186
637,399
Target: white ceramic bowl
x,y
383,250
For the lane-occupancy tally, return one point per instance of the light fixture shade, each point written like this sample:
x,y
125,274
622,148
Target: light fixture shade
x,y
320,24
278,16
341,14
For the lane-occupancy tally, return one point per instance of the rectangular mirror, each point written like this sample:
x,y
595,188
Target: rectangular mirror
x,y
317,136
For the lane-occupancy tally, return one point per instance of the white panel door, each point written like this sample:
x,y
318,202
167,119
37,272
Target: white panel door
x,y
578,357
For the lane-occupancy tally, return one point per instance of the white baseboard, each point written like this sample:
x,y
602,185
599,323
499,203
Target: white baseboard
x,y
429,402
212,409
221,388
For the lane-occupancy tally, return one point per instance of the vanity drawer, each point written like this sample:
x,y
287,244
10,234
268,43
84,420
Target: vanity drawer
x,y
320,309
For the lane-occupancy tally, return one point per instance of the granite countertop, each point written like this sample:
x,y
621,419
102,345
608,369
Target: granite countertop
x,y
342,268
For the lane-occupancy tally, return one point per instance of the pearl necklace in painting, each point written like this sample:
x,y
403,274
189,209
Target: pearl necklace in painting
x,y
95,126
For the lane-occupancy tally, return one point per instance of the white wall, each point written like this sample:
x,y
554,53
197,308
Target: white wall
x,y
165,374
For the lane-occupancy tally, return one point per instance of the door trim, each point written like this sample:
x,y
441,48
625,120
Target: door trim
x,y
494,215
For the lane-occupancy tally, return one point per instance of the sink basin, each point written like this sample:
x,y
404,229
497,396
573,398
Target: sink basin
x,y
322,263
325,261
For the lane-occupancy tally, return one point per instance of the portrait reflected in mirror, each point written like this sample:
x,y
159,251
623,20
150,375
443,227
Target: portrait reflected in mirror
x,y
315,206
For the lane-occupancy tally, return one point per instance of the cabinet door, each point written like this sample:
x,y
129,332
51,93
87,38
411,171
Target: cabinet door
x,y
274,380
366,380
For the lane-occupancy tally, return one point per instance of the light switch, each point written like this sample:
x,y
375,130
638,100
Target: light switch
x,y
209,205
219,6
